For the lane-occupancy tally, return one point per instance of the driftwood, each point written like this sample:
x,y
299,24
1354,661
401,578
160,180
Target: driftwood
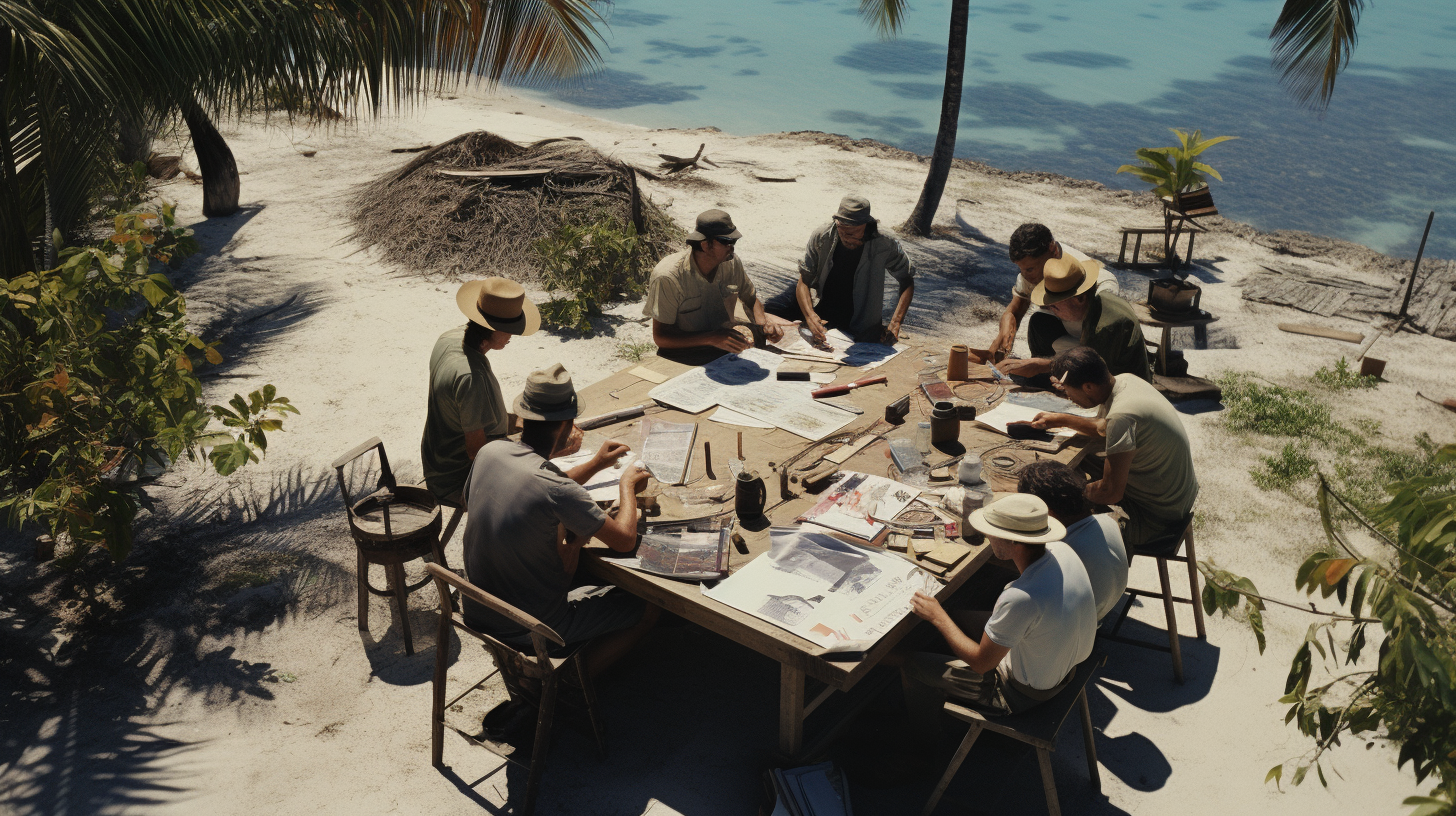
x,y
456,172
419,149
675,164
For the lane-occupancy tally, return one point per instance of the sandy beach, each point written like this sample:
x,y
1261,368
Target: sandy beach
x,y
250,689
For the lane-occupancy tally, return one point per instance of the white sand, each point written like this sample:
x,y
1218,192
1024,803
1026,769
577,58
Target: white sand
x,y
350,734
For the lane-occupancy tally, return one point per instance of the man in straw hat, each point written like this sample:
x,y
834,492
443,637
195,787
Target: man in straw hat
x,y
689,291
1025,650
1030,247
1149,468
845,265
528,520
466,408
1108,323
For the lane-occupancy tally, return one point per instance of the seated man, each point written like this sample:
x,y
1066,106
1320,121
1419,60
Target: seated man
x,y
1031,246
528,521
845,265
465,408
688,295
1149,469
1095,539
1042,626
1108,324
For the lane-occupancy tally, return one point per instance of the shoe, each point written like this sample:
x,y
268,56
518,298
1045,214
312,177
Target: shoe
x,y
500,721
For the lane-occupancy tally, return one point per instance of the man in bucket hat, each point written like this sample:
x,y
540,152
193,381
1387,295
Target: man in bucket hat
x,y
1026,649
1068,290
688,295
465,408
528,520
844,266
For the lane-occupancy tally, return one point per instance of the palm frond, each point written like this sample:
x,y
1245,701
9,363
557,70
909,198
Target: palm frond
x,y
1313,40
887,16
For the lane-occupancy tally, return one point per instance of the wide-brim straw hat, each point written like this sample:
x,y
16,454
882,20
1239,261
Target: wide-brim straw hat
x,y
1018,517
853,210
549,396
714,224
1063,278
499,304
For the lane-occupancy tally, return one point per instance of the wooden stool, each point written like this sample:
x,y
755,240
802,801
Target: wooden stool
x,y
391,526
1037,728
1177,540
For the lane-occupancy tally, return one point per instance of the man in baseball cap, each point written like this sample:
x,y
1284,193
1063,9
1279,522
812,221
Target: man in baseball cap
x,y
1026,649
465,407
688,295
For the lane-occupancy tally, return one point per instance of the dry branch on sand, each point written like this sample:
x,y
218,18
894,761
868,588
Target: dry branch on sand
x,y
477,203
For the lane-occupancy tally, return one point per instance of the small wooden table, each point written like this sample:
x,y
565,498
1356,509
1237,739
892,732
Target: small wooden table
x,y
1198,324
798,658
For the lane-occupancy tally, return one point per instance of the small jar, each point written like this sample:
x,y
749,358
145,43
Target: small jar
x,y
922,437
945,424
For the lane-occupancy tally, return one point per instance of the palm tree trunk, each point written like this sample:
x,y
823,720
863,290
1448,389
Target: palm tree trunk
x,y
945,136
219,172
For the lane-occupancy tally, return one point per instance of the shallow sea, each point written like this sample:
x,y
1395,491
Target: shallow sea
x,y
1072,87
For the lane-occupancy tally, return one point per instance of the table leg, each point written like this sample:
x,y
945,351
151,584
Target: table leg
x,y
791,710
1163,350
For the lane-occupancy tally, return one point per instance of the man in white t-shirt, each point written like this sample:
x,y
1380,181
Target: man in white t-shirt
x,y
1042,626
1094,538
1030,247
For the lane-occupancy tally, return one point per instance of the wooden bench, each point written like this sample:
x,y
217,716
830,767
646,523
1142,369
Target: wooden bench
x,y
1038,728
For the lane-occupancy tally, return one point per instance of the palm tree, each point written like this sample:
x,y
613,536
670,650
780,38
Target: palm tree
x,y
75,71
1313,40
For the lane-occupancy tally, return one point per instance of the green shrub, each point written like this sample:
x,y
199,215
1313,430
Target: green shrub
x,y
1273,410
634,352
1342,377
1283,470
97,383
585,266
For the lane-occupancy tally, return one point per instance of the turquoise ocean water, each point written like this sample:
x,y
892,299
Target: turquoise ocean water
x,y
1072,87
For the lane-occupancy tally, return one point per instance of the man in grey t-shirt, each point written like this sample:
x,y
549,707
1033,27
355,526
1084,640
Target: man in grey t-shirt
x,y
527,523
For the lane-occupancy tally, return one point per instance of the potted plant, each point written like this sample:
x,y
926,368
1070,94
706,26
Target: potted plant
x,y
1174,171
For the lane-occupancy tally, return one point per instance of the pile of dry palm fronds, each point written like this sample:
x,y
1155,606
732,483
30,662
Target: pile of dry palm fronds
x,y
475,205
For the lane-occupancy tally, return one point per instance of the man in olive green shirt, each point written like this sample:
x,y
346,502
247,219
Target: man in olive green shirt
x,y
687,295
1149,469
466,408
1068,290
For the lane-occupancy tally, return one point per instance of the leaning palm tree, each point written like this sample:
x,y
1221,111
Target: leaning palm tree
x,y
74,70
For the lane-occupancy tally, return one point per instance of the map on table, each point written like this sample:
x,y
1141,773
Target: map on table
x,y
837,595
744,383
844,350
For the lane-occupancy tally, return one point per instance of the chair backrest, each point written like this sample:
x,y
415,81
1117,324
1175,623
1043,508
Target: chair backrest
x,y
540,632
1193,203
386,477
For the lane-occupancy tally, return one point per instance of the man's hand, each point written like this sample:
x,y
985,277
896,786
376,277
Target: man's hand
x,y
611,452
1025,368
1003,343
892,333
816,326
634,480
929,609
730,340
775,327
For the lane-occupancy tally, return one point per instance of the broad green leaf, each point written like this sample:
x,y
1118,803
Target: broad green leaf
x,y
1275,773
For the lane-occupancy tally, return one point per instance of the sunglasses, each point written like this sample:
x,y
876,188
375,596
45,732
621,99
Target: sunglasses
x,y
726,241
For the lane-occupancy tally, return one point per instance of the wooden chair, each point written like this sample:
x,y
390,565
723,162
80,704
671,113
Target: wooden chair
x,y
536,678
1180,210
1038,728
391,526
1171,544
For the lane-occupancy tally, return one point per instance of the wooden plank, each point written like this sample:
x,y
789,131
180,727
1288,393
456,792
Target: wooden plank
x,y
791,710
1321,331
1334,300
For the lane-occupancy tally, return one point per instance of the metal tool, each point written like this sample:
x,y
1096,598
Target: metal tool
x,y
612,417
1449,405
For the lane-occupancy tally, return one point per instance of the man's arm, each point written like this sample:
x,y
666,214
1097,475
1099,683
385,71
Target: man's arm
x,y
474,441
773,326
1025,368
1109,489
1086,426
805,296
668,336
907,293
609,454
620,533
1010,320
981,657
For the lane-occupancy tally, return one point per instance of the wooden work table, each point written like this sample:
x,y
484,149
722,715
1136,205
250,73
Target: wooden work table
x,y
799,658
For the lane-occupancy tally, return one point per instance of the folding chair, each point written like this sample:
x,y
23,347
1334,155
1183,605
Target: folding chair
x,y
1038,728
535,678
1170,545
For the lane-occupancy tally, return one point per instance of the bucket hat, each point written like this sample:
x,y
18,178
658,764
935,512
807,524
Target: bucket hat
x,y
1018,517
714,224
549,396
1063,278
499,304
853,209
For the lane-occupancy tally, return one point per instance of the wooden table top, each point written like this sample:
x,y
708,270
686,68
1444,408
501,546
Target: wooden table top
x,y
1145,317
762,446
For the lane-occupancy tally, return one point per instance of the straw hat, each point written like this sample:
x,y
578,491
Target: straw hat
x,y
499,304
1018,517
1063,278
549,396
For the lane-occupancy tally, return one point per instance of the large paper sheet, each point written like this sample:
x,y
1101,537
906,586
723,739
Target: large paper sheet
x,y
845,350
699,389
728,416
1047,401
604,485
745,383
850,504
831,593
1007,412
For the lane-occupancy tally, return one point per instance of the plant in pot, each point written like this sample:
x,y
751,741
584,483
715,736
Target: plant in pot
x,y
1174,171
